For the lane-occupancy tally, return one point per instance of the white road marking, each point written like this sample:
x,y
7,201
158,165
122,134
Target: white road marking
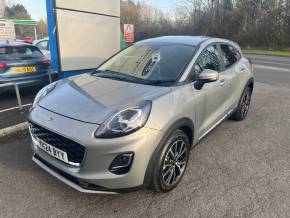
x,y
13,108
264,62
270,67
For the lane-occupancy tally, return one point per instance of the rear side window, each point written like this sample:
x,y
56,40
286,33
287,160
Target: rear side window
x,y
208,59
230,55
43,45
19,52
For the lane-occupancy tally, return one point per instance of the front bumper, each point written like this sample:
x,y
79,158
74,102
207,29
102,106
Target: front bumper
x,y
93,176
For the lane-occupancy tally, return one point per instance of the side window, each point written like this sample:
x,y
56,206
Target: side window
x,y
208,59
236,53
42,45
230,55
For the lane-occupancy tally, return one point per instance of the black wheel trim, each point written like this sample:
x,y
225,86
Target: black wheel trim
x,y
174,163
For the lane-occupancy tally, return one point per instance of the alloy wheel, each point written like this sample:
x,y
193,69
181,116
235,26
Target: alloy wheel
x,y
174,163
246,103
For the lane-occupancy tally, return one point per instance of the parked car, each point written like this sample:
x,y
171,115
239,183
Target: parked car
x,y
23,64
132,122
43,45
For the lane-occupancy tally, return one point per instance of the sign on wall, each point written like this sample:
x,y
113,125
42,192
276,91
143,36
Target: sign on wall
x,y
129,33
7,30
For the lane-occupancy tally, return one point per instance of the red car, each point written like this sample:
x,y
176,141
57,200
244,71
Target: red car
x,y
28,40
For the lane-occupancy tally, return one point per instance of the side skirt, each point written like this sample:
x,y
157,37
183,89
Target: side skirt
x,y
216,124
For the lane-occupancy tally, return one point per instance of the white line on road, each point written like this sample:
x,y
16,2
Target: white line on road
x,y
270,67
13,108
265,62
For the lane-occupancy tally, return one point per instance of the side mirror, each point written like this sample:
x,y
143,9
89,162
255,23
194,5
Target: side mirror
x,y
208,76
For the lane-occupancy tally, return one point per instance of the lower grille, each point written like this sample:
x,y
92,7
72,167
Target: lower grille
x,y
75,151
73,179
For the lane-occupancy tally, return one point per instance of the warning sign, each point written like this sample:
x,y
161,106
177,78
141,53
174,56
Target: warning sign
x,y
7,30
129,33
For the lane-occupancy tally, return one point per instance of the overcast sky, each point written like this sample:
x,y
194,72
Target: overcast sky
x,y
165,5
37,8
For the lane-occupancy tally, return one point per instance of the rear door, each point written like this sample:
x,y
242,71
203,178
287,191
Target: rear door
x,y
230,74
21,61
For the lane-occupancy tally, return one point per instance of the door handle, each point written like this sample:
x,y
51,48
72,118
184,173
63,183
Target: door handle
x,y
222,82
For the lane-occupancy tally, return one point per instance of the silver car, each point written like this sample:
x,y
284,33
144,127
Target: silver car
x,y
43,45
132,122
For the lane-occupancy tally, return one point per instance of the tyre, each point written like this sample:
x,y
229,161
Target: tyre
x,y
244,105
171,163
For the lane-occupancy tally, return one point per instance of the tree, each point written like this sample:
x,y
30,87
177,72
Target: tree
x,y
252,23
41,28
18,11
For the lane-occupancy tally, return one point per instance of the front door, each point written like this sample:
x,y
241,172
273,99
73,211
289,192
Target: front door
x,y
211,97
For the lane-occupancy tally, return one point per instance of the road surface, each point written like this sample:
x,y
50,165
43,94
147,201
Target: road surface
x,y
272,70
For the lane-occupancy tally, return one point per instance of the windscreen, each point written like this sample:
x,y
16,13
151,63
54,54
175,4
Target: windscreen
x,y
19,52
147,62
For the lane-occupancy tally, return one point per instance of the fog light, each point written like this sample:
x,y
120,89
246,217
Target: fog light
x,y
122,163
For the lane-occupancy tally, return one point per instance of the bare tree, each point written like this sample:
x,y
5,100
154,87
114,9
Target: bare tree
x,y
252,23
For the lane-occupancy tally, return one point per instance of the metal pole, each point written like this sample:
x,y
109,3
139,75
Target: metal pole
x,y
49,75
35,33
18,97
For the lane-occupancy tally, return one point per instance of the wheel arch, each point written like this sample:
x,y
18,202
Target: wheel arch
x,y
250,83
184,124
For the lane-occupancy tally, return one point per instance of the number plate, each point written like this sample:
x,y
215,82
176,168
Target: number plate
x,y
17,70
55,152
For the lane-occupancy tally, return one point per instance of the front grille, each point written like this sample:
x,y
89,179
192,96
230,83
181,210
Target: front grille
x,y
75,151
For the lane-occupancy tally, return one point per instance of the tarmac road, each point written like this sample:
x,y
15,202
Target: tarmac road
x,y
242,169
12,116
272,70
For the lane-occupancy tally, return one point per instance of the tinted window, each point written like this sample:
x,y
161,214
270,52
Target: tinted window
x,y
208,59
230,55
151,62
19,52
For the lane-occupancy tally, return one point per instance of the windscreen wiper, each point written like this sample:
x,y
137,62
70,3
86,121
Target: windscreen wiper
x,y
159,82
112,75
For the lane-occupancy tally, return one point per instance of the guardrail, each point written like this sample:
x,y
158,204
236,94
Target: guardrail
x,y
20,106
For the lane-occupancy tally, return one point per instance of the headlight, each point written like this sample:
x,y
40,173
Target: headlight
x,y
125,121
42,93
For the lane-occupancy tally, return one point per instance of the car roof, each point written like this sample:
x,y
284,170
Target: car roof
x,y
40,40
186,40
13,43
